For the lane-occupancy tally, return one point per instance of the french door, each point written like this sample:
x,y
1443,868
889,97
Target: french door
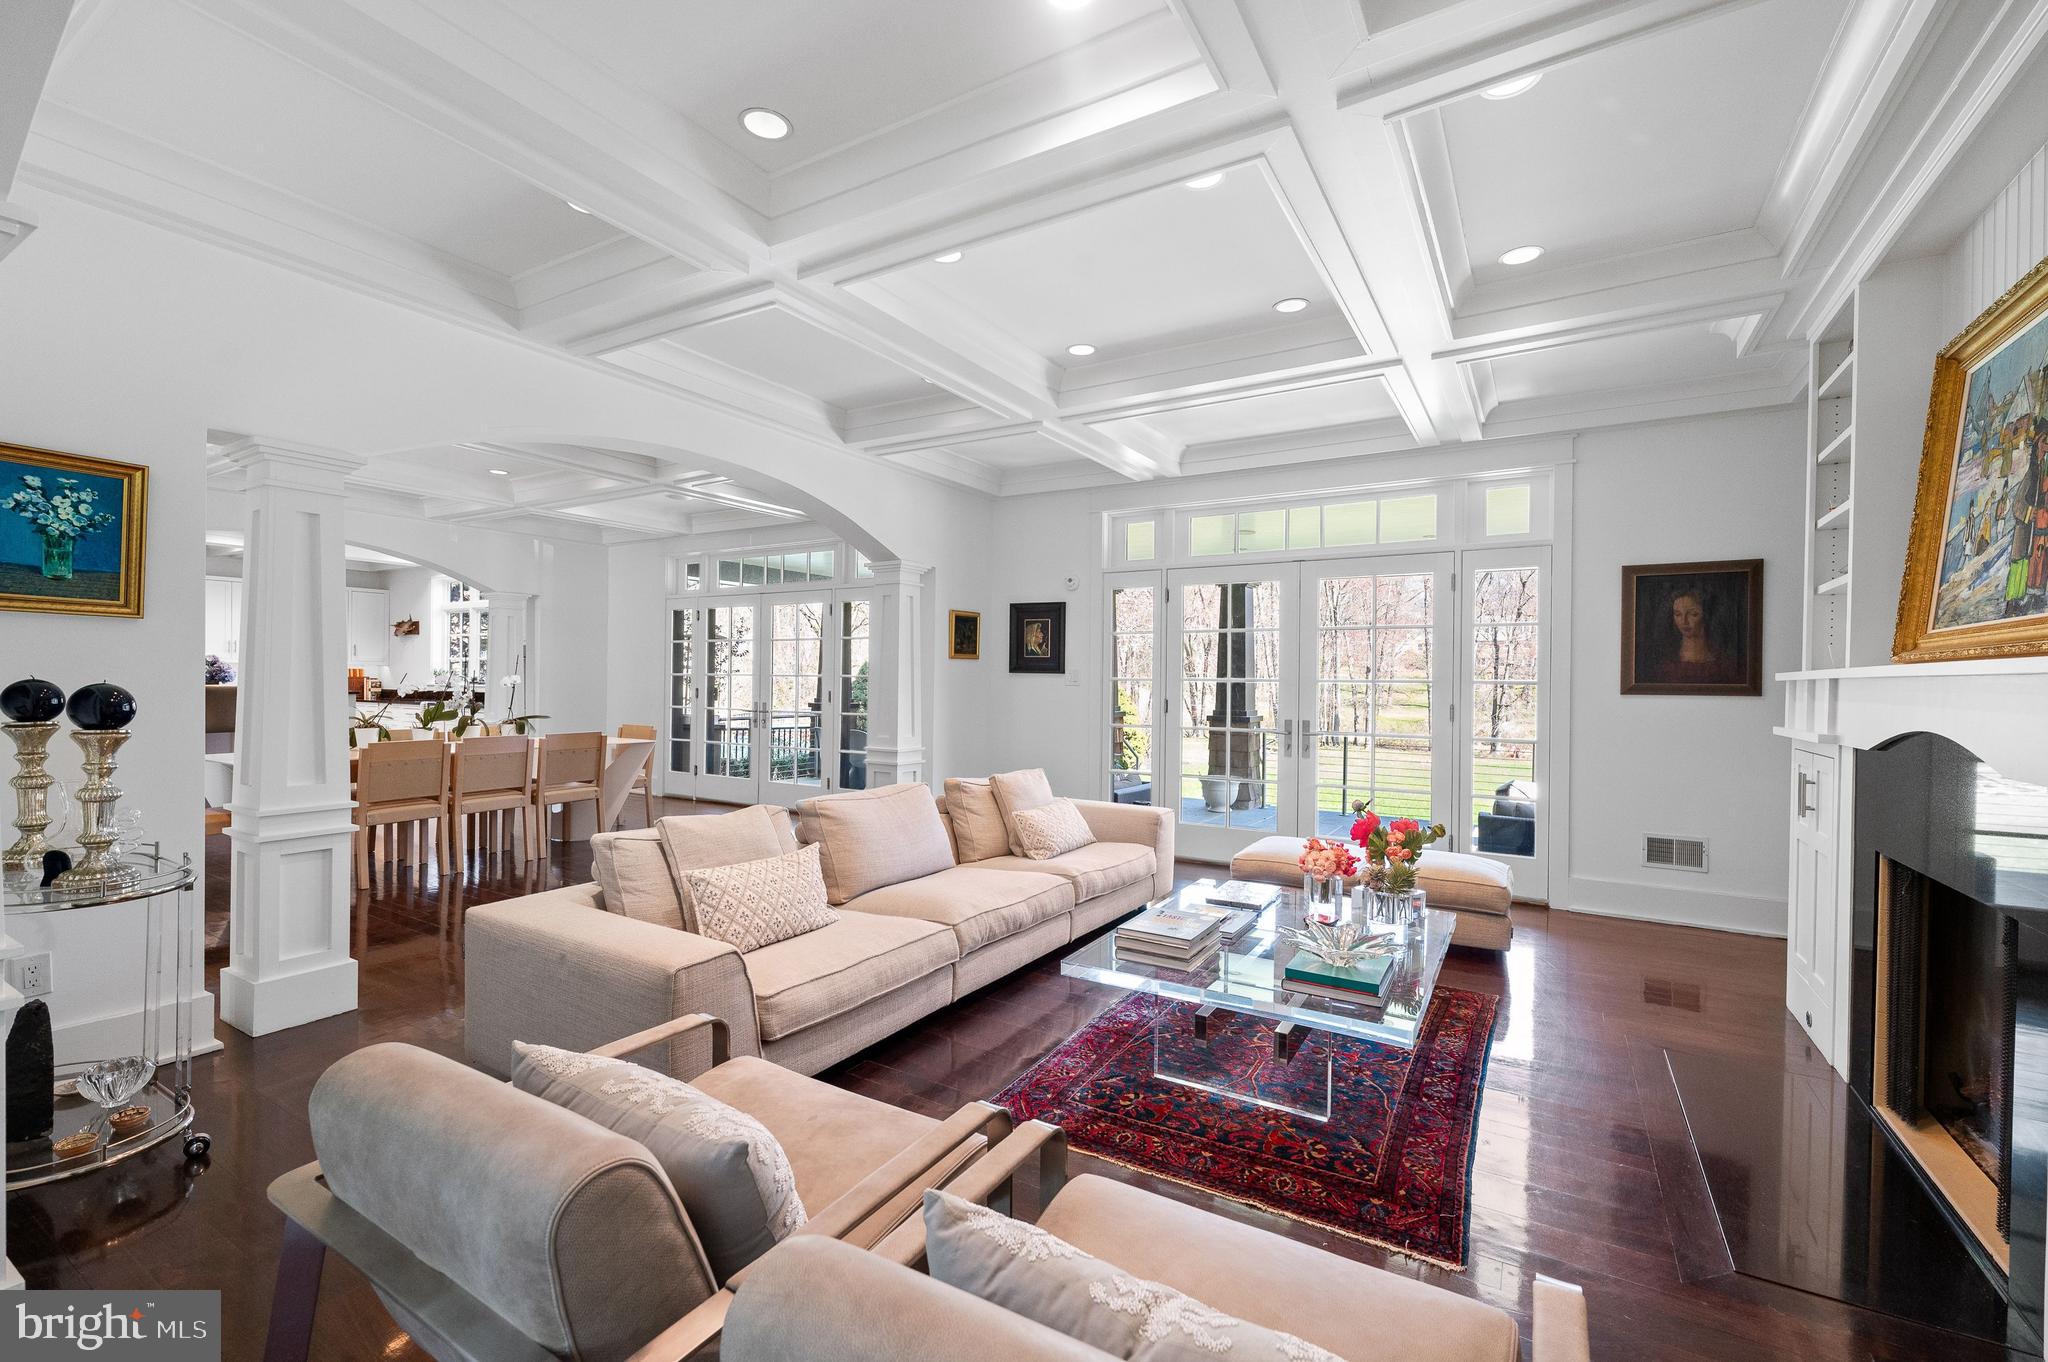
x,y
766,693
1256,700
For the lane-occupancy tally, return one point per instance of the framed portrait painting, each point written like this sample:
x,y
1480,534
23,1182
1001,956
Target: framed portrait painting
x,y
1693,628
1038,637
1976,581
72,532
963,635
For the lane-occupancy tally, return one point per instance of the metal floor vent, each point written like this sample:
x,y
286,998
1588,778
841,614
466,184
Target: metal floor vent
x,y
1674,853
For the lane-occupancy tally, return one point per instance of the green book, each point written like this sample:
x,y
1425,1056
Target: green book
x,y
1367,976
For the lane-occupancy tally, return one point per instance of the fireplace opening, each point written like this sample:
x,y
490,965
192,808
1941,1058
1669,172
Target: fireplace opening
x,y
1944,1043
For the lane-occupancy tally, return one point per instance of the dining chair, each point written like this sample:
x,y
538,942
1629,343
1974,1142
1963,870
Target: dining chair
x,y
571,772
489,778
643,784
401,787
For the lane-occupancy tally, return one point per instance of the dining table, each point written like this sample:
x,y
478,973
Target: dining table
x,y
624,760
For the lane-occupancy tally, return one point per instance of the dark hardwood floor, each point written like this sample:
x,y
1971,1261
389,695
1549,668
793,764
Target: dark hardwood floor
x,y
1584,1170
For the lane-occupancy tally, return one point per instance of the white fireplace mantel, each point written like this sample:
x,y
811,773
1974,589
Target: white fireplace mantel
x,y
1996,709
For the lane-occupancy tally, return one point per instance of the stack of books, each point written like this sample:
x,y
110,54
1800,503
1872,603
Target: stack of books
x,y
1359,983
1170,936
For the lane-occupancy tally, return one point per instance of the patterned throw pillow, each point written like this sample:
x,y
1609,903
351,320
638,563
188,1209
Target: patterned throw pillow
x,y
1042,1277
1050,830
729,1172
757,903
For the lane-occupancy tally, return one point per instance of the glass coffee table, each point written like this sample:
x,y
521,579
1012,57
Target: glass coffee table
x,y
1245,980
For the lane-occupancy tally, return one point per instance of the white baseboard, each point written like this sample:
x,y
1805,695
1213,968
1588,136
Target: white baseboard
x,y
120,1033
1713,909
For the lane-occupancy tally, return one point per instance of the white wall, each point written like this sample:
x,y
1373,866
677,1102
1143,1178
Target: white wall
x,y
2009,238
1705,488
1680,491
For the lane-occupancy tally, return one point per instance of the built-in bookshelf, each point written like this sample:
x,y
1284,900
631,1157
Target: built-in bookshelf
x,y
1830,489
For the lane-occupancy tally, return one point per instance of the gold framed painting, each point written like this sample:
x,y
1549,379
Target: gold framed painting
x,y
963,631
1976,582
72,532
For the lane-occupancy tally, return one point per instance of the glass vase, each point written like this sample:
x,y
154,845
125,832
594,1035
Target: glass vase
x,y
57,556
1394,905
1322,892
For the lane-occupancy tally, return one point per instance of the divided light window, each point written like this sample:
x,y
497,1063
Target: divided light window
x,y
1133,731
1403,518
779,569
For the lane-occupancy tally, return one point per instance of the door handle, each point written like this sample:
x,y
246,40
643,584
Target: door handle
x,y
1287,737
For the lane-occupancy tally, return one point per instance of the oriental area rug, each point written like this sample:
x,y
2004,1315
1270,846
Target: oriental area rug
x,y
1392,1165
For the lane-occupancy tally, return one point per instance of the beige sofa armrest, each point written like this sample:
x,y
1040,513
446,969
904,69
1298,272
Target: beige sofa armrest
x,y
1140,823
1558,1311
555,969
689,1334
720,1037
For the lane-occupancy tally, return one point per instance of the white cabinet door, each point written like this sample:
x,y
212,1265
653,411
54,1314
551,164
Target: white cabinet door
x,y
1811,981
224,617
369,627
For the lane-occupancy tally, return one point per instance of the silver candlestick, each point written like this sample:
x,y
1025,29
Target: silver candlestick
x,y
100,868
31,794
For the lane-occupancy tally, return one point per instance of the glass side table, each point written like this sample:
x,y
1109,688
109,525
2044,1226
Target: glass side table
x,y
160,1065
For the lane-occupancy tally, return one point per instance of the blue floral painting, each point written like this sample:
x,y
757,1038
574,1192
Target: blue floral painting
x,y
70,533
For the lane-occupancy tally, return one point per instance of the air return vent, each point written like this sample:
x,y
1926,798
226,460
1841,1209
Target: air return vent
x,y
1674,853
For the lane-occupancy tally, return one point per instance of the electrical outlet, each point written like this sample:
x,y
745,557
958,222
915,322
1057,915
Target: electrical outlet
x,y
32,974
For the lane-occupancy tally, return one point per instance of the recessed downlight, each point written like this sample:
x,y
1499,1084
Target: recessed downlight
x,y
1508,89
1209,181
1291,305
575,205
1520,255
949,258
1080,351
501,472
766,124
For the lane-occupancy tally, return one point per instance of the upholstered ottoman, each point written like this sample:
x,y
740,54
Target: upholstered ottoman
x,y
1476,889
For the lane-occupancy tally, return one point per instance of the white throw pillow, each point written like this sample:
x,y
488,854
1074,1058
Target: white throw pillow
x,y
757,903
1016,791
1051,830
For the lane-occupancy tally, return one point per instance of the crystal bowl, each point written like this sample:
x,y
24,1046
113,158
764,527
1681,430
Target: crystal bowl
x,y
113,1081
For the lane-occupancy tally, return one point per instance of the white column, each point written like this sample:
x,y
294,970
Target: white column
x,y
509,613
10,1003
896,699
288,960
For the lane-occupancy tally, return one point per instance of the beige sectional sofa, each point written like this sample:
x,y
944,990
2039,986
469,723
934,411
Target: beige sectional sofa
x,y
557,968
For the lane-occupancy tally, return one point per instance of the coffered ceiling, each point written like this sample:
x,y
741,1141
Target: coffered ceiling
x,y
967,193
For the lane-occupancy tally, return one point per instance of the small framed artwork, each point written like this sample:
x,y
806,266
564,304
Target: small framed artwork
x,y
1038,637
1693,628
963,635
1976,581
72,532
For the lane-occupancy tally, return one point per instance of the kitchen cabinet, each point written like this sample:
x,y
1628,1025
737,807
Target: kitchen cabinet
x,y
224,618
369,627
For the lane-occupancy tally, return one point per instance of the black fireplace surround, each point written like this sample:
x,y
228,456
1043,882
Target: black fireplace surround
x,y
1917,806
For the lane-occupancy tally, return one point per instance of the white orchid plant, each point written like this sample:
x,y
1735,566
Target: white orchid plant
x,y
70,512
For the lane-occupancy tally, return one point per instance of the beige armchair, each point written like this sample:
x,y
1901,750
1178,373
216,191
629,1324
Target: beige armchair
x,y
568,1240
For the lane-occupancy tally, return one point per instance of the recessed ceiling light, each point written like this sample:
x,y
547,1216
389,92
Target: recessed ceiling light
x,y
1508,89
501,472
1209,181
949,258
575,205
766,123
1080,351
1290,305
1520,255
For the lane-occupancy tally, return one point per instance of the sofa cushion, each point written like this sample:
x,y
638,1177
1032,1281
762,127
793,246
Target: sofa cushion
x,y
752,904
1042,1277
731,1174
834,1137
1332,1302
1051,830
632,869
869,838
979,904
978,827
698,841
1015,790
815,977
1094,870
